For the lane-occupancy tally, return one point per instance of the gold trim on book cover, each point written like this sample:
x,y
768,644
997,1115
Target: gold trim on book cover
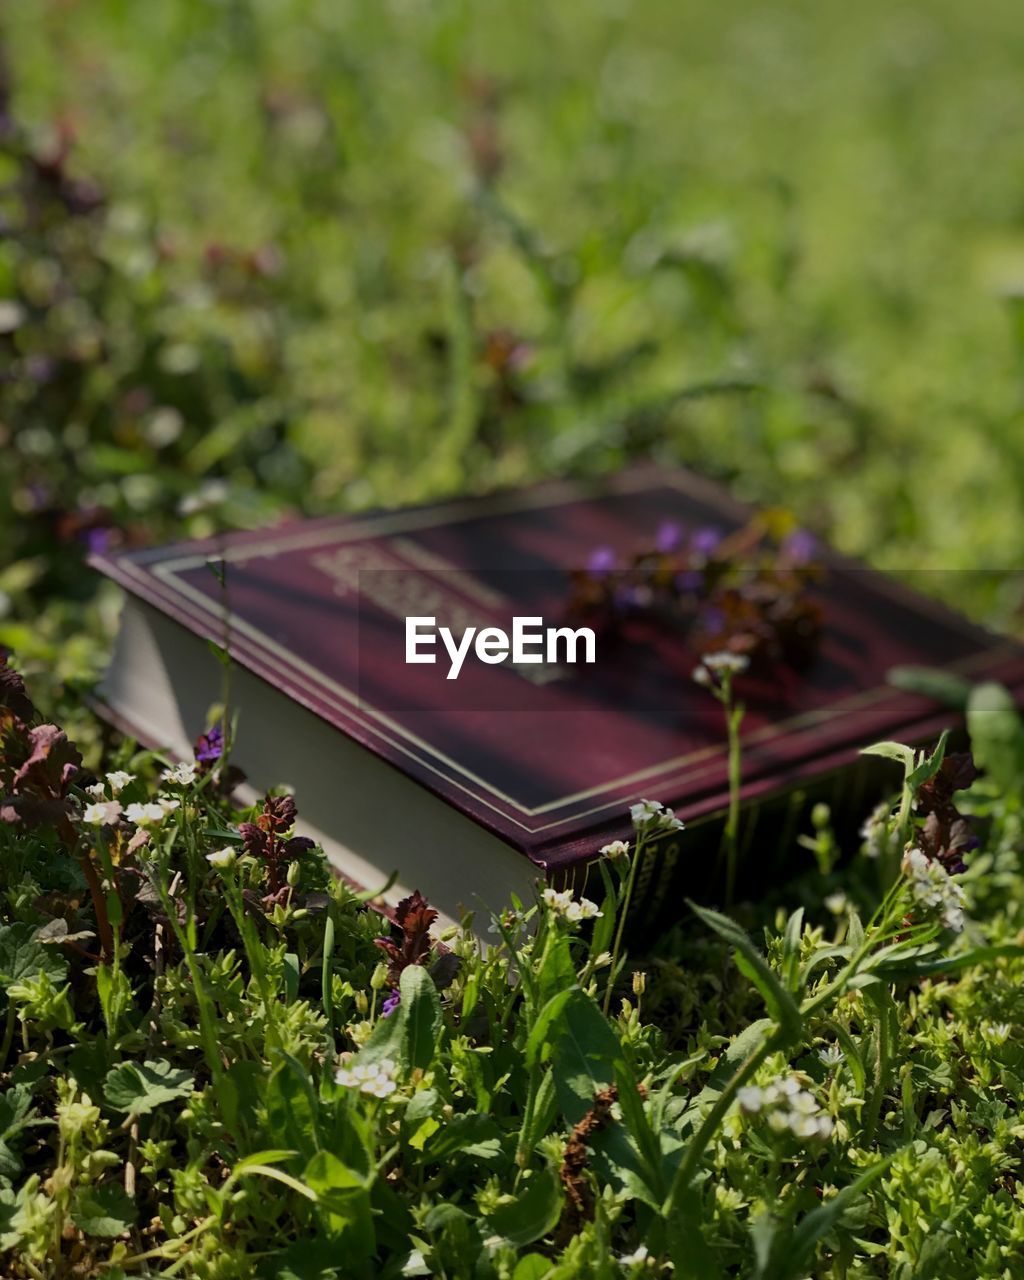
x,y
149,565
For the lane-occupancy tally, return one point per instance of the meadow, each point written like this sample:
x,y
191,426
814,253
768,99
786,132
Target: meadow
x,y
271,257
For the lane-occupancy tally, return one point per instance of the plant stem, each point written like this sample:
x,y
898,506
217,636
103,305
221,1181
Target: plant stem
x,y
621,924
734,718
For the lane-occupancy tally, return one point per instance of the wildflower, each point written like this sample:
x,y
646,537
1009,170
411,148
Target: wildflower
x,y
669,536
635,1259
573,910
118,780
997,1032
617,849
705,541
147,815
222,858
391,1003
182,775
103,814
702,676
507,921
651,815
267,840
375,1078
831,1056
97,790
413,917
933,891
876,831
209,746
600,562
836,903
725,662
787,1108
800,547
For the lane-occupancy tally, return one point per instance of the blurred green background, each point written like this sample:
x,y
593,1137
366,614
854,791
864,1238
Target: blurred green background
x,y
313,255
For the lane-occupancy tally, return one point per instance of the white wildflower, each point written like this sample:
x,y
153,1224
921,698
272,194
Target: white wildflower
x,y
145,815
118,780
222,858
702,676
182,775
997,1032
726,663
787,1108
103,814
651,815
831,1056
877,831
637,1258
168,804
375,1078
562,903
97,790
616,849
836,903
933,891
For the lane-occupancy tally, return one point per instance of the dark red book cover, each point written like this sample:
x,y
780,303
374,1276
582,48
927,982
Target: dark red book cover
x,y
318,608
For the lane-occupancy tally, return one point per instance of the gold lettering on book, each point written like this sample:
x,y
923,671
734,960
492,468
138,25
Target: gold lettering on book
x,y
370,574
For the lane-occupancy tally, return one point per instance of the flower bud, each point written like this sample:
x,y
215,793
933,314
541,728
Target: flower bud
x,y
639,982
294,871
379,977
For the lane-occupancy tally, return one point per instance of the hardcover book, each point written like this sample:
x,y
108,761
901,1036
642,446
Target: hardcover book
x,y
472,788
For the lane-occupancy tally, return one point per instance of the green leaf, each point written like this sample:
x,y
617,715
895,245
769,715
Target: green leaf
x,y
947,687
928,768
541,1030
794,1249
532,1266
584,1053
292,1107
532,1215
410,1035
23,957
753,965
139,1088
105,1210
997,739
892,751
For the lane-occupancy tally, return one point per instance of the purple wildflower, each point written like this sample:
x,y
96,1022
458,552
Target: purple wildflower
x,y
669,537
98,540
600,562
210,745
800,547
705,541
391,1003
689,580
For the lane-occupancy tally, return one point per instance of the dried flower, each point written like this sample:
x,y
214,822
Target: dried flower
x,y
267,838
413,917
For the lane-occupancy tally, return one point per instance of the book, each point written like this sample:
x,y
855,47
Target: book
x,y
474,787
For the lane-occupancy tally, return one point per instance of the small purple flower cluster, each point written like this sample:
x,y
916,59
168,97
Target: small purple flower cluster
x,y
747,591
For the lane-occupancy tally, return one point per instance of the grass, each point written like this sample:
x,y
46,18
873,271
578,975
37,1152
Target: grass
x,y
292,256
